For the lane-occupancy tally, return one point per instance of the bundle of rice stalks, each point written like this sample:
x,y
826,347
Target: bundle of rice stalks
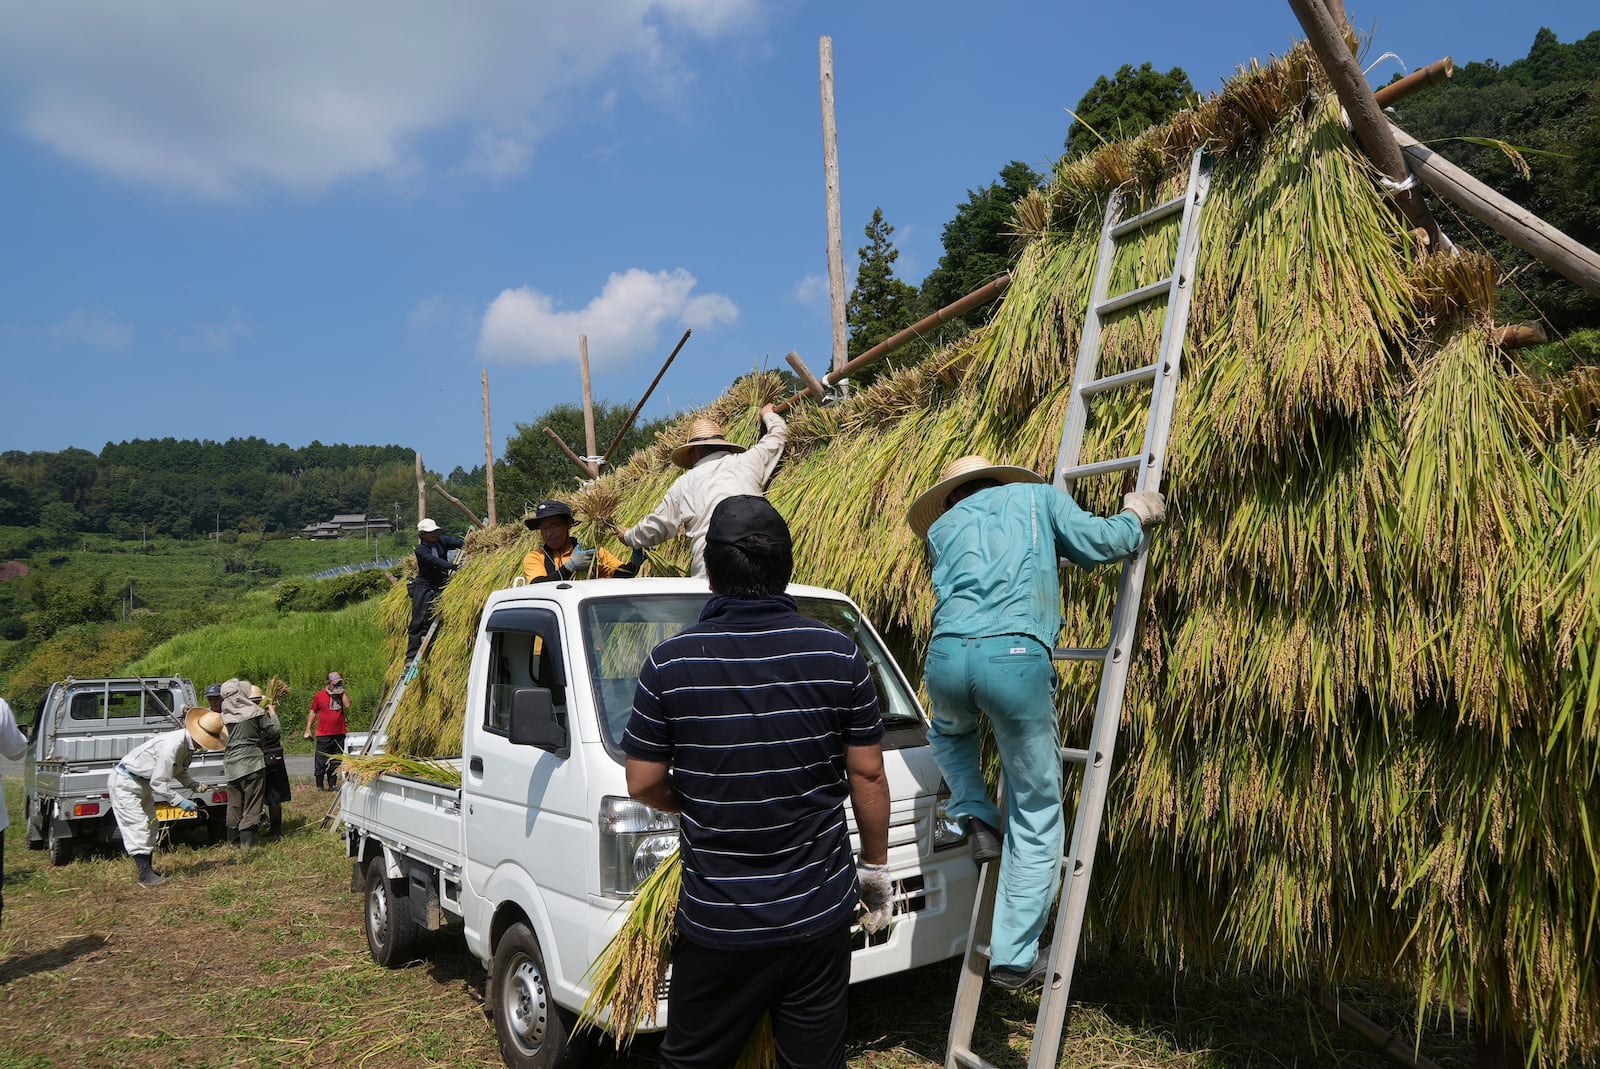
x,y
365,768
276,690
625,980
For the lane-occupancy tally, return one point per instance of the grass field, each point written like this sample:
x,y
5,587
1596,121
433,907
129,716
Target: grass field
x,y
260,960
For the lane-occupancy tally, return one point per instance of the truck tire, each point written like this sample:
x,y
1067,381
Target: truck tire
x,y
61,846
534,1032
391,929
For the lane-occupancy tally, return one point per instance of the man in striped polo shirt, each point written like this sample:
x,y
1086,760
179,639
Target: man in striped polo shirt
x,y
756,725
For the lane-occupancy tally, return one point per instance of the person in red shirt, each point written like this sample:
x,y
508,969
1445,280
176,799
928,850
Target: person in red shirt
x,y
327,724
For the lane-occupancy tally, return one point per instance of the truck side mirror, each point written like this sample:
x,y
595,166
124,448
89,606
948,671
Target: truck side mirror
x,y
534,721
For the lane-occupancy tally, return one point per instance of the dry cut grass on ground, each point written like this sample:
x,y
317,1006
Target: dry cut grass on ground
x,y
259,960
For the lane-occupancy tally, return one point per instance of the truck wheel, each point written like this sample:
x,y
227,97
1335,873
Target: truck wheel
x,y
534,1032
60,847
391,930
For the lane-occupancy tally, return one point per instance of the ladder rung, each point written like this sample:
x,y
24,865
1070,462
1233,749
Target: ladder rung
x,y
1078,757
1160,211
965,1057
1080,653
1102,467
1133,297
1112,382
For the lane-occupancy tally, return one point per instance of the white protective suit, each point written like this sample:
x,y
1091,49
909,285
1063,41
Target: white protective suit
x,y
155,769
13,744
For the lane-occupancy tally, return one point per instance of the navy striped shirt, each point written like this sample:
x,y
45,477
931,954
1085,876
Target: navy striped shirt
x,y
753,708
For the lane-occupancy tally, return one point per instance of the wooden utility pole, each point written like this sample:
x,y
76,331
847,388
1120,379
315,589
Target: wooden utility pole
x,y
488,448
1367,121
830,167
422,492
588,405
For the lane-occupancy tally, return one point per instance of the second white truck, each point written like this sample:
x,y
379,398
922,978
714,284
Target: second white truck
x,y
538,852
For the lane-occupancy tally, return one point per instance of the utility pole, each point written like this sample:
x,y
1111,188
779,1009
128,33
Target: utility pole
x,y
830,166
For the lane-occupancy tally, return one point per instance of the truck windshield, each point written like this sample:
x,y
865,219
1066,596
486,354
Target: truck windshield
x,y
620,632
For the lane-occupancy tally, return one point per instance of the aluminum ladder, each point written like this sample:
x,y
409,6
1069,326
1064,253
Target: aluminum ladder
x,y
1161,377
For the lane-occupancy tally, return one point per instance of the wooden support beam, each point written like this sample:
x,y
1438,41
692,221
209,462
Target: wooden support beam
x,y
612,448
1519,335
488,449
1366,119
978,297
1415,82
458,503
1551,247
422,492
583,465
830,167
588,397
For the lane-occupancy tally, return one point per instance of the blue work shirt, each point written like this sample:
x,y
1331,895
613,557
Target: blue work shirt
x,y
995,559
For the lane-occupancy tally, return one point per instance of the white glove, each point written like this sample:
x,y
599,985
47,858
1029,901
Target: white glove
x,y
877,894
579,561
1147,505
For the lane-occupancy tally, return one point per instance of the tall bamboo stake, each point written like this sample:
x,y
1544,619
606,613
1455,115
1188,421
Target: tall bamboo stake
x,y
1367,121
488,449
830,167
588,401
612,448
1415,82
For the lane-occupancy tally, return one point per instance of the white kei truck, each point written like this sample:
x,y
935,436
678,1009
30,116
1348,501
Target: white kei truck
x,y
539,851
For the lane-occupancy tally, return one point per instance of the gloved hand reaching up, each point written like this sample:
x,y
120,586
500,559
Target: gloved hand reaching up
x,y
1148,505
580,560
877,894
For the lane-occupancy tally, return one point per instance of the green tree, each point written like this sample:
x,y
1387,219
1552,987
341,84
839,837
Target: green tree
x,y
1126,104
881,304
978,242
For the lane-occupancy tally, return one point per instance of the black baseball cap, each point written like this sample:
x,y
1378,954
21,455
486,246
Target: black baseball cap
x,y
546,510
737,520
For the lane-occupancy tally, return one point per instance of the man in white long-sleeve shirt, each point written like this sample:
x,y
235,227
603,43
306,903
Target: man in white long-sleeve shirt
x,y
717,469
13,744
160,768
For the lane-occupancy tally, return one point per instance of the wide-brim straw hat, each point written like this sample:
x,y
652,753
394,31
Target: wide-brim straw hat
x,y
930,504
206,728
705,433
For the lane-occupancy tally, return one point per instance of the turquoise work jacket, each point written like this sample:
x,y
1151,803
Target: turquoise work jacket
x,y
995,558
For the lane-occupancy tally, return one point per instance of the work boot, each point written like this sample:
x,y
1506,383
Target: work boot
x,y
148,877
247,838
985,841
1015,977
233,835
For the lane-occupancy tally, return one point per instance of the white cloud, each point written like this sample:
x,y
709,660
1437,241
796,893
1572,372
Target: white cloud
x,y
219,98
94,325
524,326
810,290
218,337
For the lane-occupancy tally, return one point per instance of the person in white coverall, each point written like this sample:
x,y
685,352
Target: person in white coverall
x,y
155,769
13,744
717,469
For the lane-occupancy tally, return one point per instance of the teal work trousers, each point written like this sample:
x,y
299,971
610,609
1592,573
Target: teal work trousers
x,y
1011,680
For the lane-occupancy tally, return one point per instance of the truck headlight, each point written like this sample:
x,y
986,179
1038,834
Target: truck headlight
x,y
948,832
634,839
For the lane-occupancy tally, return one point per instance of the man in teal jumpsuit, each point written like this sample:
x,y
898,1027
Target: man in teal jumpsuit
x,y
995,534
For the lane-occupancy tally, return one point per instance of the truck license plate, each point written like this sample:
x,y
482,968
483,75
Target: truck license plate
x,y
172,812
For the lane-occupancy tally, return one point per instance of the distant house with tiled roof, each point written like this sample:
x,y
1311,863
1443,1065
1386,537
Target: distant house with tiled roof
x,y
348,523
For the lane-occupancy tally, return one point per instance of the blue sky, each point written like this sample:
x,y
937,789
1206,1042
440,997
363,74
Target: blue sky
x,y
309,221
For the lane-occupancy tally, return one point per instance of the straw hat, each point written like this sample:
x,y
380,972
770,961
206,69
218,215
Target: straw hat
x,y
930,504
703,432
206,728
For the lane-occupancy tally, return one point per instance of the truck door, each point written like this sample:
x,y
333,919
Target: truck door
x,y
525,820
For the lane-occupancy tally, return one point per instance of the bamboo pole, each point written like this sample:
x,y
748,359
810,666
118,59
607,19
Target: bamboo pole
x,y
1519,335
422,492
1388,1044
458,503
980,296
588,399
1415,82
1366,119
1551,247
587,468
612,448
488,450
830,167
